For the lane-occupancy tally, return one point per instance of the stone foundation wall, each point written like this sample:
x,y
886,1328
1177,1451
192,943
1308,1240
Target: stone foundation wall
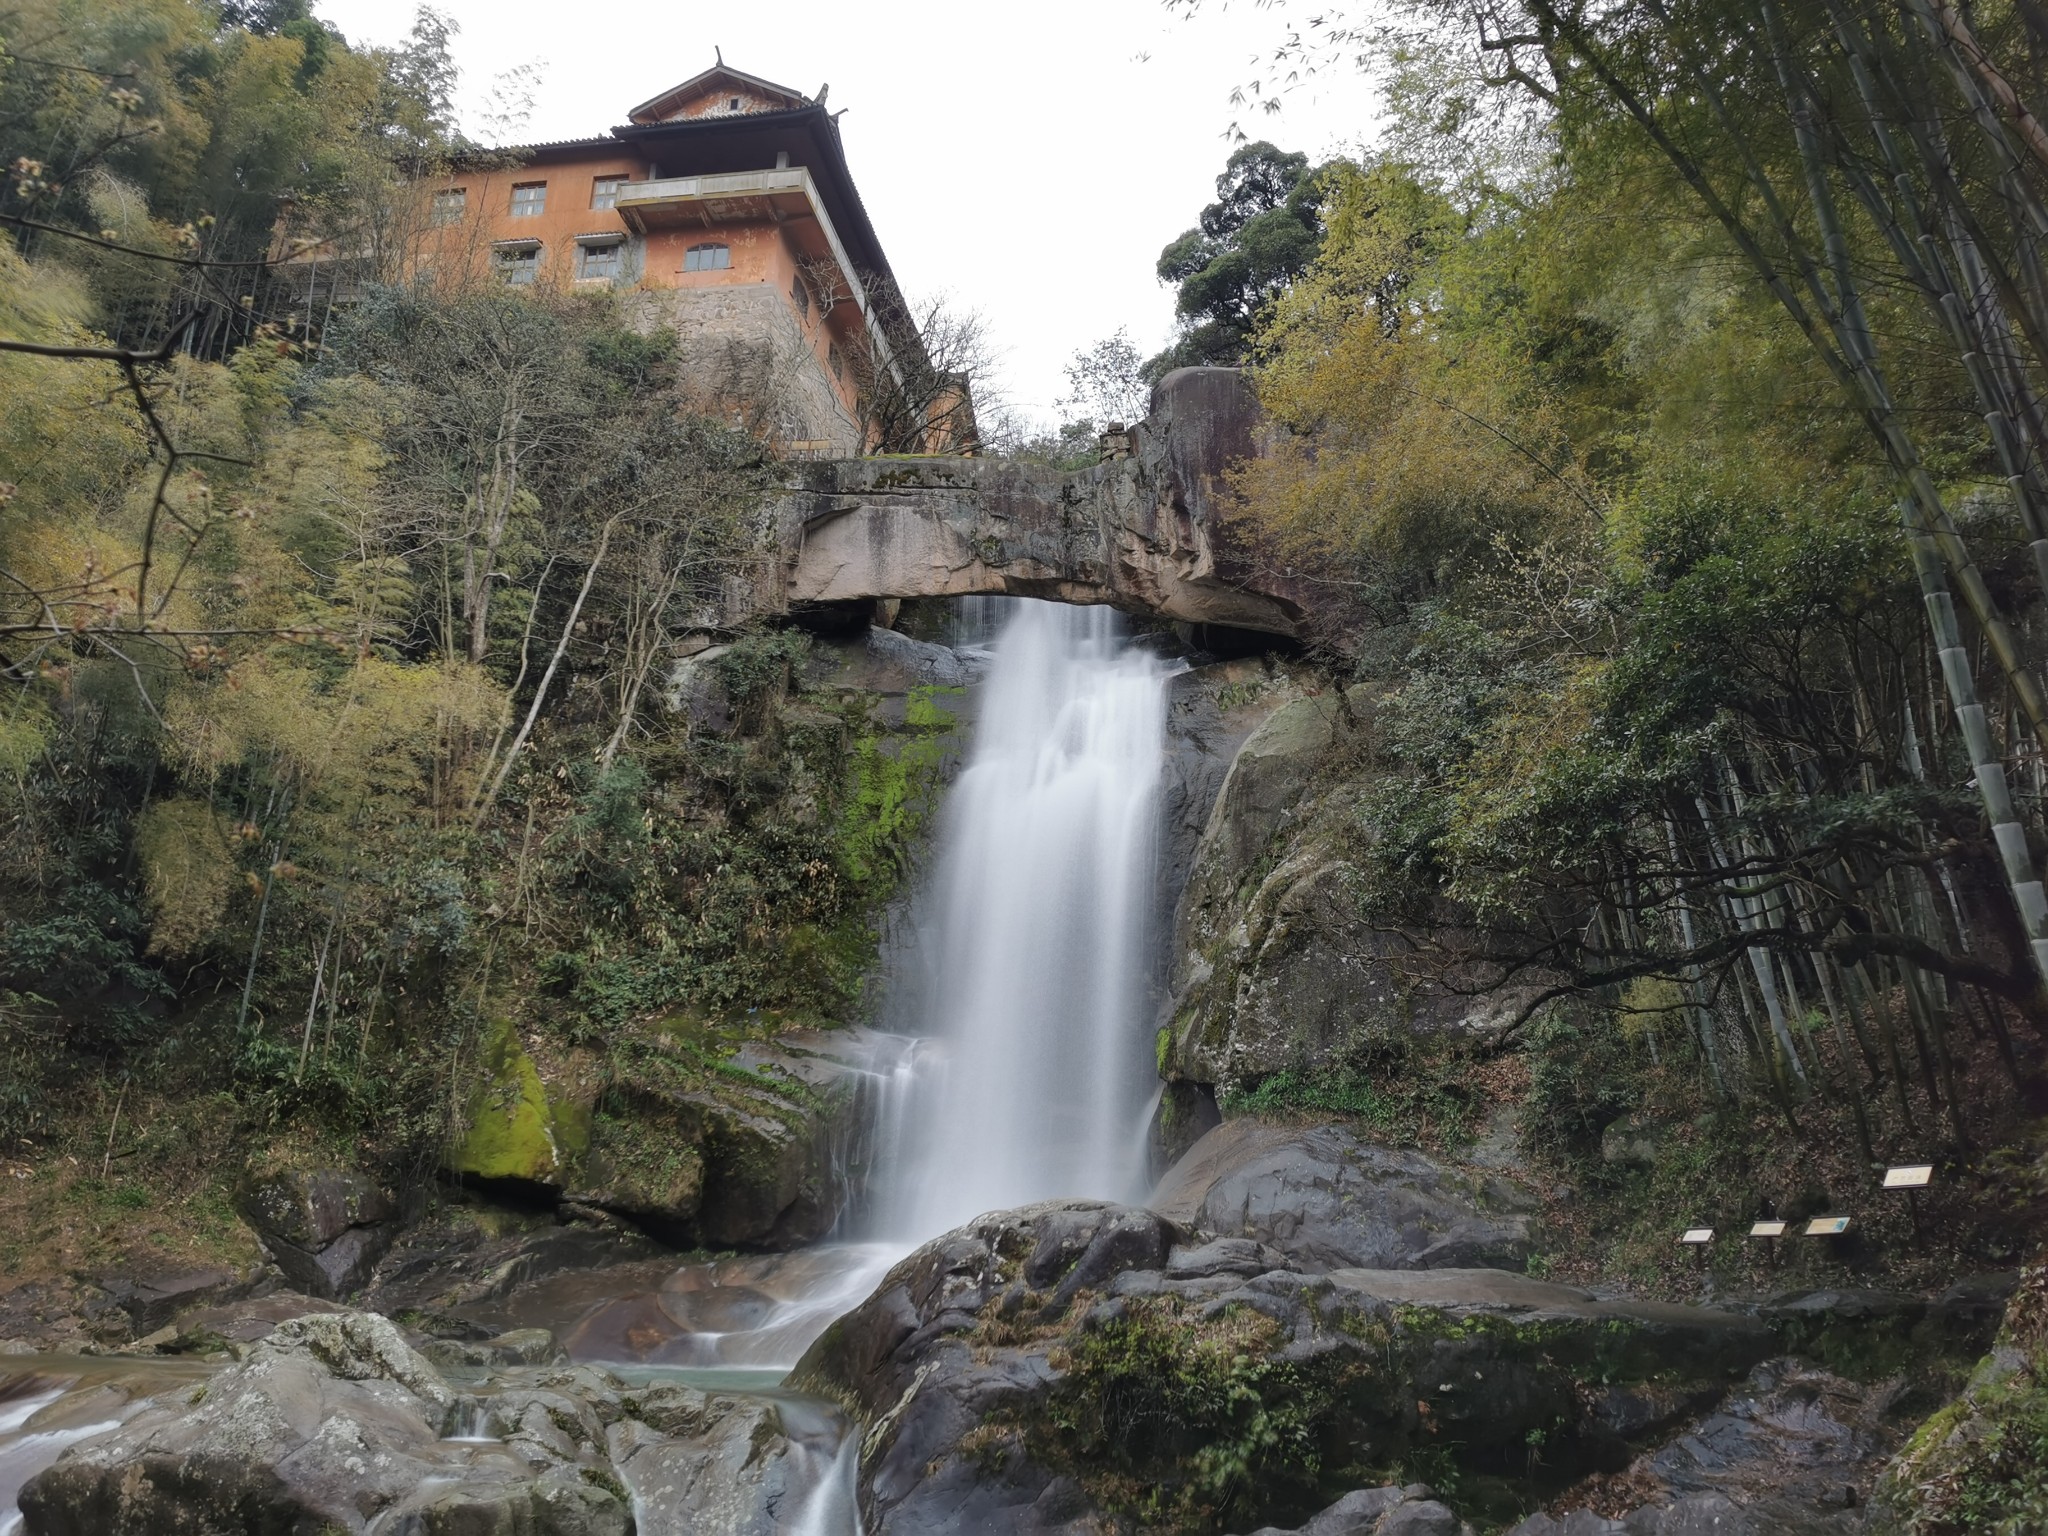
x,y
747,361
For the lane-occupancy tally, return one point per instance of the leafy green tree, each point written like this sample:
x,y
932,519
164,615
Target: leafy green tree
x,y
1258,236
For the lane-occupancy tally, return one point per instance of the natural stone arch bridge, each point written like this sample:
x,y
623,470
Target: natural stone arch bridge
x,y
1150,533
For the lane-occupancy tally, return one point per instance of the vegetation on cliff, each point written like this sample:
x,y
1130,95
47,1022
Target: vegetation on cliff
x,y
341,749
1598,407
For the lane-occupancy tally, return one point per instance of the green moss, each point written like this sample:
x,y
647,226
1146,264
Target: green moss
x,y
1980,1465
1406,1104
512,1127
600,1478
1191,1423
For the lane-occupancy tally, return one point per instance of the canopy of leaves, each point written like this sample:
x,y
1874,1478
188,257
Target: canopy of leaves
x,y
1259,235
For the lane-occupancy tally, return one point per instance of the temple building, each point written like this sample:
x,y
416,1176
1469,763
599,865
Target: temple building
x,y
724,209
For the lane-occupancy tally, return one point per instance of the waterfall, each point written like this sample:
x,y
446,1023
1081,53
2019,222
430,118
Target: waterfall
x,y
1033,950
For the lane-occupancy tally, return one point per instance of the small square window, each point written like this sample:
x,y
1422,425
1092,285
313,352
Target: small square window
x,y
449,206
604,192
707,258
529,199
800,296
517,264
598,260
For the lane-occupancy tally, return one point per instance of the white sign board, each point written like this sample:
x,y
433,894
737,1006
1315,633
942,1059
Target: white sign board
x,y
1698,1235
1827,1226
1912,1176
1768,1229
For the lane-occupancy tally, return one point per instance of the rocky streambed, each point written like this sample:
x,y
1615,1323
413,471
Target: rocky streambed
x,y
1303,1332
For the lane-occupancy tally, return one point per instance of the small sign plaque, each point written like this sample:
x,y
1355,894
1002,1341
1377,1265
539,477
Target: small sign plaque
x,y
1768,1229
1698,1235
1827,1226
1912,1176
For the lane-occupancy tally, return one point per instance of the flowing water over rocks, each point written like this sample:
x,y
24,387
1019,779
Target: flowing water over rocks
x,y
1036,940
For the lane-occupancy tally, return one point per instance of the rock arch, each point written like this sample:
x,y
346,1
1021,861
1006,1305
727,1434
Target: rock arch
x,y
1152,531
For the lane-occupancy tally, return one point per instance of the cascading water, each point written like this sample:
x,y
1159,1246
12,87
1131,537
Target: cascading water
x,y
1034,949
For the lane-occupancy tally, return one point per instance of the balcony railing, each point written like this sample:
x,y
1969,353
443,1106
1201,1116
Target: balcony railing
x,y
729,184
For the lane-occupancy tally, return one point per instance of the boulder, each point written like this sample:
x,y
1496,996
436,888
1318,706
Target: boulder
x,y
778,1179
325,1228
1068,1365
151,1301
334,1424
1329,1200
462,1257
1409,1511
763,1152
522,1129
233,1327
1634,1140
518,1346
700,1462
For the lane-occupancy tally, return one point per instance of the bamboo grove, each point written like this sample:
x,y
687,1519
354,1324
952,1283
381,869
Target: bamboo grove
x,y
1665,403
331,634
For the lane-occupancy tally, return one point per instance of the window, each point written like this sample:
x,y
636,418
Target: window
x,y
800,296
707,258
735,105
517,264
529,199
598,260
604,192
449,205
838,363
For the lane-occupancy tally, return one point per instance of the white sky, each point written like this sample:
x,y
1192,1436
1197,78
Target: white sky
x,y
1029,159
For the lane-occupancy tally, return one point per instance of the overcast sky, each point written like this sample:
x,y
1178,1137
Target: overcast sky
x,y
1029,159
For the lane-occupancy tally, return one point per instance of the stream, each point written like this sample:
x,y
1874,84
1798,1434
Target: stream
x,y
1017,1069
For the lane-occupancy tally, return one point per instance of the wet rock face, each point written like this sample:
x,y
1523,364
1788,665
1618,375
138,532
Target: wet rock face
x,y
1793,1452
325,1228
1272,966
1330,1201
1071,1364
334,1424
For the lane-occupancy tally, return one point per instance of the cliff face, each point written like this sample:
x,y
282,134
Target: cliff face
x,y
1273,966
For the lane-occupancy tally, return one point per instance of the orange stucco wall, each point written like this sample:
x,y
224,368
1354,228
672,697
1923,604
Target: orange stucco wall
x,y
761,252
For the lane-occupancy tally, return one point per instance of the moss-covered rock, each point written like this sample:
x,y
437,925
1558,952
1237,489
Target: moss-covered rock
x,y
692,1130
1981,1463
517,1129
1075,1360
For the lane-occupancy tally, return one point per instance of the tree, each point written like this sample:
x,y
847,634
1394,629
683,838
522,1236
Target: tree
x,y
1257,237
1106,383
